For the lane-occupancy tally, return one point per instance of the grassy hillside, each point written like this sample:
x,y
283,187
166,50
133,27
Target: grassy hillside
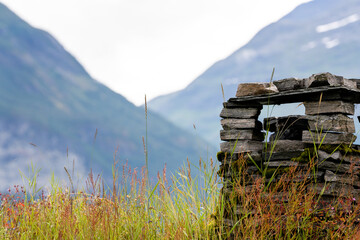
x,y
46,92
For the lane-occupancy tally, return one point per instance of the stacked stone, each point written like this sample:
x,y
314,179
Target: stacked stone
x,y
330,125
329,102
242,135
285,142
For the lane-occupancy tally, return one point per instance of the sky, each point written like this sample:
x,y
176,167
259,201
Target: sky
x,y
139,47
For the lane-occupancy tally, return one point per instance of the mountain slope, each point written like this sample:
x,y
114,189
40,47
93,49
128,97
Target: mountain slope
x,y
319,36
48,99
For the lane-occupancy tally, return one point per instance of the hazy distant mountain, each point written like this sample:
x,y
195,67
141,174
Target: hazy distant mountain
x,y
319,36
49,100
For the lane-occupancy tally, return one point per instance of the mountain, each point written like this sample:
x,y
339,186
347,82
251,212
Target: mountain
x,y
52,112
318,36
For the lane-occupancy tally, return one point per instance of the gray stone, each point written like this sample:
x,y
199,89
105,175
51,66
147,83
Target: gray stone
x,y
226,157
334,189
331,177
253,104
278,124
284,164
251,89
335,123
328,138
357,82
231,175
284,155
240,113
337,167
344,178
284,146
287,134
301,95
325,156
328,79
241,146
289,84
233,123
339,158
326,107
244,134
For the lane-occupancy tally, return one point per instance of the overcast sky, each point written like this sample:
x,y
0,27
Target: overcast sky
x,y
139,47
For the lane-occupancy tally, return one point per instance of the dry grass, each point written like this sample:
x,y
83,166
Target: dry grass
x,y
188,207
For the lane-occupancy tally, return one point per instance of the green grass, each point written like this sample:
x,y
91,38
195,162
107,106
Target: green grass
x,y
127,210
182,206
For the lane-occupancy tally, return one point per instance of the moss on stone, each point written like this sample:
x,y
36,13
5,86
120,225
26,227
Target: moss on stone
x,y
309,153
343,148
305,156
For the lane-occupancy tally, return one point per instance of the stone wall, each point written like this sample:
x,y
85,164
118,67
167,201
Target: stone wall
x,y
324,135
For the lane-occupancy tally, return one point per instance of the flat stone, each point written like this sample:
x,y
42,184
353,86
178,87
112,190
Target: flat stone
x,y
325,156
235,123
334,189
244,134
226,157
348,179
328,79
338,157
288,134
241,146
283,164
289,84
251,89
331,177
300,95
285,155
250,104
335,123
329,107
357,82
337,167
285,146
278,124
240,113
328,138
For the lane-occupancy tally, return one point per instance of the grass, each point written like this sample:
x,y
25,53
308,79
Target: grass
x,y
182,206
180,209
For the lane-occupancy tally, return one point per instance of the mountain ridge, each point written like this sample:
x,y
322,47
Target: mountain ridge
x,y
291,45
48,99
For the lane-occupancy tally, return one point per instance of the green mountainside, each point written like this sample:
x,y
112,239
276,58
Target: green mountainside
x,y
48,99
319,36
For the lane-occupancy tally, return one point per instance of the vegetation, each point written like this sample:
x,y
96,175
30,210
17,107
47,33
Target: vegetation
x,y
183,206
